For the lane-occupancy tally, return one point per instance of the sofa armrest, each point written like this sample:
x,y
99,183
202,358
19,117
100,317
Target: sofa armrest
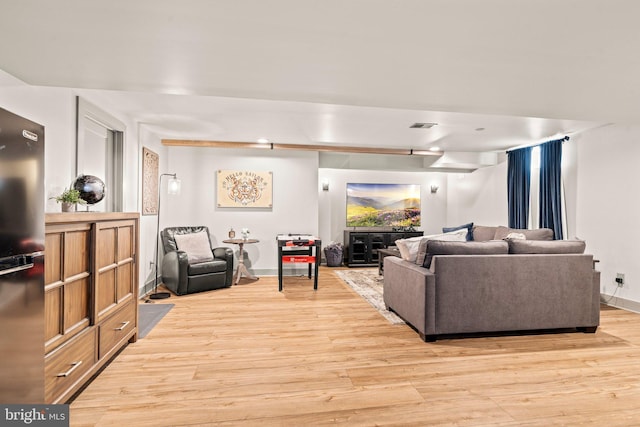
x,y
595,308
409,290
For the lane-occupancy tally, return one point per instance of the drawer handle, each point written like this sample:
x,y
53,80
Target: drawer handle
x,y
124,325
73,367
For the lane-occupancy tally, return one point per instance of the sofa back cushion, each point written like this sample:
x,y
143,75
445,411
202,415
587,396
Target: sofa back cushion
x,y
535,234
492,247
459,235
546,247
483,233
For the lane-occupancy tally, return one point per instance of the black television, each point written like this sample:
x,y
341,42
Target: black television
x,y
383,205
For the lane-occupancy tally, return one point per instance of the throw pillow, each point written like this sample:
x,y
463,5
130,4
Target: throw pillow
x,y
452,236
438,247
535,234
196,245
469,228
546,247
516,236
409,248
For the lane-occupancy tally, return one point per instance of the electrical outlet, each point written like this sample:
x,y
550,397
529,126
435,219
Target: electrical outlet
x,y
151,264
620,279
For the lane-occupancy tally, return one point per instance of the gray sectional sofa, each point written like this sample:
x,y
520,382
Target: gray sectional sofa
x,y
495,285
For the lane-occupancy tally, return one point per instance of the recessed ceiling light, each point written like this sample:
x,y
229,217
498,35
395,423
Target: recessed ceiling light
x,y
423,125
263,140
434,149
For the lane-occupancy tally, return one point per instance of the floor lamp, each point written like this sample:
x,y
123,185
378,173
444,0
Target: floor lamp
x,y
172,188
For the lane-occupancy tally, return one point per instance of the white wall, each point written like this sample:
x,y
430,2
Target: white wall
x,y
55,109
295,198
608,204
148,223
332,204
601,172
479,197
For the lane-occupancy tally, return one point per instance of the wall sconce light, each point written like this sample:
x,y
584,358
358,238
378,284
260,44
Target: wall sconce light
x,y
325,185
434,188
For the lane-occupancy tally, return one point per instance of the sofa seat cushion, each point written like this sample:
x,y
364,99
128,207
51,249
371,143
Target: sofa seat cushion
x,y
491,247
546,247
196,245
215,266
535,234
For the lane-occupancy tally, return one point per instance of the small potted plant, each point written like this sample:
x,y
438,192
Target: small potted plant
x,y
69,198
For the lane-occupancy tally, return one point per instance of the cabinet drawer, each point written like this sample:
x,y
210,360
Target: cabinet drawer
x,y
116,328
65,366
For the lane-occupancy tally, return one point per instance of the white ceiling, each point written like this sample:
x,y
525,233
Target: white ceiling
x,y
347,72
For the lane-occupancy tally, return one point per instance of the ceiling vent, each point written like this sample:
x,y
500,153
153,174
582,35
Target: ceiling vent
x,y
422,125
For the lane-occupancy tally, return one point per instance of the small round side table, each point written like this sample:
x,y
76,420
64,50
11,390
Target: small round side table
x,y
242,269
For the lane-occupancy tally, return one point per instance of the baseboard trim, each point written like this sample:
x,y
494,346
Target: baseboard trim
x,y
147,287
618,302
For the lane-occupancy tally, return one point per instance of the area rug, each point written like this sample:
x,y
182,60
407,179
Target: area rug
x,y
369,285
149,315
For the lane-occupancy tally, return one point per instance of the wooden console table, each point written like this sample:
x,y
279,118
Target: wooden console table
x,y
91,296
362,247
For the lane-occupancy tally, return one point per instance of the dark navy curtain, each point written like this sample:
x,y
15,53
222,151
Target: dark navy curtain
x,y
551,186
518,185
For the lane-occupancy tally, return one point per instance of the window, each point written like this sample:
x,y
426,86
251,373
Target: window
x,y
99,152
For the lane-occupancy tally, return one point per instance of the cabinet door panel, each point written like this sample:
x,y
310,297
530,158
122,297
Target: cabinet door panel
x,y
105,291
53,323
106,247
53,258
76,253
126,247
76,304
125,282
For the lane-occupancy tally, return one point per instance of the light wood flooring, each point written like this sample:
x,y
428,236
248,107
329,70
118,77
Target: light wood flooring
x,y
249,355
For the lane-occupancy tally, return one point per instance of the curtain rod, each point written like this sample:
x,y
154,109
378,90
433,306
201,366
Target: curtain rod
x,y
564,138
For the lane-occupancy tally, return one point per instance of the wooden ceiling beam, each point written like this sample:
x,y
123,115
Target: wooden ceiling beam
x,y
302,147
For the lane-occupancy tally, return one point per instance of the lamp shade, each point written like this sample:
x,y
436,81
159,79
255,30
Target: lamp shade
x,y
174,186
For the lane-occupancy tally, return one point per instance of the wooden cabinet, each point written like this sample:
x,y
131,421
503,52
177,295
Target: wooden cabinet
x,y
91,293
362,246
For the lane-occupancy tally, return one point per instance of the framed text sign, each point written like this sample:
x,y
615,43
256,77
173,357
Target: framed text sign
x,y
245,189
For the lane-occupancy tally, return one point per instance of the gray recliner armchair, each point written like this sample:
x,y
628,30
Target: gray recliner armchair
x,y
190,264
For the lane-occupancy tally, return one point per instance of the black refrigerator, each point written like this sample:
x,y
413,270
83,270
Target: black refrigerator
x,y
21,260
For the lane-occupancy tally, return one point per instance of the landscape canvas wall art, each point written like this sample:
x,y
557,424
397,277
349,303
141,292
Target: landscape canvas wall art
x,y
383,205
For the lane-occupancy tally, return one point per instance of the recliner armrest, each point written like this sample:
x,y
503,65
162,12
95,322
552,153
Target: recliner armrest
x,y
175,266
226,254
223,253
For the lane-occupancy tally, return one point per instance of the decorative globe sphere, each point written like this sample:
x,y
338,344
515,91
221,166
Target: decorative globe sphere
x,y
91,188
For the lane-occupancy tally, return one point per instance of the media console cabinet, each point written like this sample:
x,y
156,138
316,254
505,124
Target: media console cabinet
x,y
91,295
361,247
